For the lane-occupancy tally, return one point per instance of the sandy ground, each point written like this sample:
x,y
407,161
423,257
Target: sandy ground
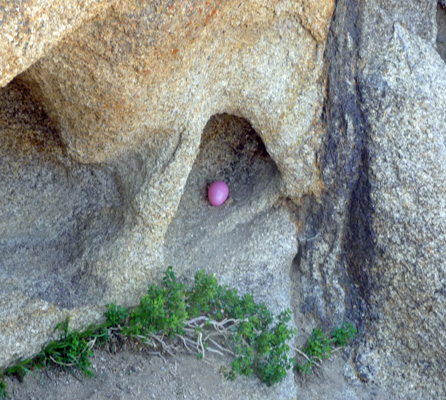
x,y
131,374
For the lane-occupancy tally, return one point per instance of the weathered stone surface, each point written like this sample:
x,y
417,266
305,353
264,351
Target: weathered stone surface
x,y
110,124
50,207
315,16
326,291
28,30
117,84
335,166
403,102
441,31
225,240
385,210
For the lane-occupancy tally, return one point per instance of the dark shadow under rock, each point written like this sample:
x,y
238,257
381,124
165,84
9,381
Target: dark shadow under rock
x,y
249,242
441,30
52,210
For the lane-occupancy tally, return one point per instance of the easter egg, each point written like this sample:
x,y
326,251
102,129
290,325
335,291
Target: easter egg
x,y
218,193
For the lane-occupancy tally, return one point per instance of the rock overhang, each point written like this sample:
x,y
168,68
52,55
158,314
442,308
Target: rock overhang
x,y
130,94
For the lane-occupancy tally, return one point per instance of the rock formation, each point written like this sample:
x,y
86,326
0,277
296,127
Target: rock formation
x,y
326,120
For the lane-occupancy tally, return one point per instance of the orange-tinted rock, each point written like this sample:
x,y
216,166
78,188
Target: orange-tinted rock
x,y
28,30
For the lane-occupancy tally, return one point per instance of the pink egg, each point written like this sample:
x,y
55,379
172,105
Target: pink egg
x,y
218,193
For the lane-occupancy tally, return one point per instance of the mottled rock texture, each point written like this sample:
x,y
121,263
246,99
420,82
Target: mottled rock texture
x,y
388,102
29,29
403,95
441,31
134,105
330,132
162,69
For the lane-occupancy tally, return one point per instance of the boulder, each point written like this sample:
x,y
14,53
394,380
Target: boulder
x,y
328,131
108,132
388,213
29,30
403,97
372,248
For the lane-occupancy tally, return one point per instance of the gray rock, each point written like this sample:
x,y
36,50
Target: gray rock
x,y
337,208
226,240
403,103
383,161
125,100
50,208
441,31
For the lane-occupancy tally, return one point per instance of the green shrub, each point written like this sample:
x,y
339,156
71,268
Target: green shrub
x,y
210,317
161,309
341,336
258,345
115,315
3,392
72,351
319,346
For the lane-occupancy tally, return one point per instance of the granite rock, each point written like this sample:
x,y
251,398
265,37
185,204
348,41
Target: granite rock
x,y
403,102
383,220
372,247
441,31
105,131
331,141
28,30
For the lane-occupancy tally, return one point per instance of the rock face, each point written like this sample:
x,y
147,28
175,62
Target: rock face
x,y
404,95
29,30
441,31
116,119
110,135
388,104
224,240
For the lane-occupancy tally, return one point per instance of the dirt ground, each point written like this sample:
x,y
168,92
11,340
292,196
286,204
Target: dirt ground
x,y
130,374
